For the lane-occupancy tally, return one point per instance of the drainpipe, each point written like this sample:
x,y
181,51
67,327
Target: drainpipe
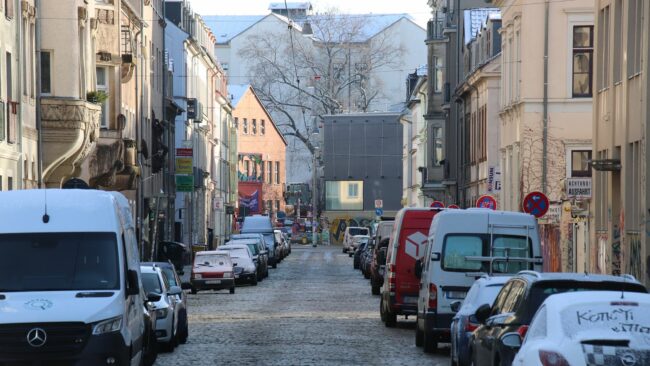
x,y
39,128
545,102
20,184
138,194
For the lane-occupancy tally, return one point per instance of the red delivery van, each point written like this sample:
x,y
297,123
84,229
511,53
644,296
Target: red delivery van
x,y
400,291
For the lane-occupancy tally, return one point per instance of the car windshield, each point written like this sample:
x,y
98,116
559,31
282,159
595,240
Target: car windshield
x,y
632,321
59,262
210,260
543,289
254,248
236,252
169,273
151,283
488,294
459,246
358,231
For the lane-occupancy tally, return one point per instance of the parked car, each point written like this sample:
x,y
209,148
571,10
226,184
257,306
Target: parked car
x,y
169,271
279,238
587,328
350,232
356,261
70,253
461,245
366,257
483,291
242,260
155,282
259,224
263,250
255,251
356,242
213,270
378,265
399,294
149,341
518,301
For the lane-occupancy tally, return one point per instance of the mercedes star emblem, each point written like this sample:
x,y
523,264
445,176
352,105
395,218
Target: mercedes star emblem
x,y
628,359
36,337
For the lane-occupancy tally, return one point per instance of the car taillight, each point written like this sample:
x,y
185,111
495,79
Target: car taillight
x,y
227,274
522,331
433,296
470,326
550,358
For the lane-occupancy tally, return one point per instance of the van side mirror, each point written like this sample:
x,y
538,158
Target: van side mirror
x,y
455,306
132,282
483,313
418,268
435,257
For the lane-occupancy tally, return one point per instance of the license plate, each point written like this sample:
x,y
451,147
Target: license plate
x,y
410,300
213,282
456,295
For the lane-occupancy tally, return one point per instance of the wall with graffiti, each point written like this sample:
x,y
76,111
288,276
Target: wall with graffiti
x,y
549,235
339,221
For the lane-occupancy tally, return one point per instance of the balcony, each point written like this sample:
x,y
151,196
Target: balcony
x,y
435,30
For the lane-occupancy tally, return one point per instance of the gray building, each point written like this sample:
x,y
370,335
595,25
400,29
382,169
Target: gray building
x,y
362,160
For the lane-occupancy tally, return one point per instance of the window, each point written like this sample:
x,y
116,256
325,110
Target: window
x,y
277,172
102,86
501,298
457,247
438,81
247,167
254,127
9,9
580,163
236,123
512,301
46,81
618,41
603,37
262,127
269,172
10,183
225,66
583,50
245,126
1,188
262,172
635,34
337,195
277,205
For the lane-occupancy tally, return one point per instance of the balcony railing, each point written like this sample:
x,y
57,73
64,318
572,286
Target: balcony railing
x,y
434,29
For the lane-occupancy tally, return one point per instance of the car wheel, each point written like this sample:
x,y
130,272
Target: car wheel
x,y
375,290
254,281
429,344
350,255
419,337
183,333
355,265
366,275
344,251
391,319
275,265
232,290
171,344
193,291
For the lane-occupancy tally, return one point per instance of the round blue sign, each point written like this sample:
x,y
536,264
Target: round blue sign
x,y
379,211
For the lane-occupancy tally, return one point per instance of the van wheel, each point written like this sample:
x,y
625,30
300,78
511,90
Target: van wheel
x,y
430,346
150,351
375,290
275,265
254,281
232,290
419,337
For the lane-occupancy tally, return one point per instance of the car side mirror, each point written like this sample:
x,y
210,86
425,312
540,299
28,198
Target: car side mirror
x,y
418,268
483,313
153,297
511,340
455,306
175,290
186,286
133,283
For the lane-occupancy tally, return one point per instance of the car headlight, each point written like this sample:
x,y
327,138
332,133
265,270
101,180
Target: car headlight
x,y
161,313
198,276
227,275
108,326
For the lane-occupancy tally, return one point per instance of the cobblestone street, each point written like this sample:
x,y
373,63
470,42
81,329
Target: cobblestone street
x,y
314,309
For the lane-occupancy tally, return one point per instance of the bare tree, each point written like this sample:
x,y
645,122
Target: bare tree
x,y
301,76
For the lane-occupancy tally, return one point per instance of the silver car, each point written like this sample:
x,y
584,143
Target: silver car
x,y
155,282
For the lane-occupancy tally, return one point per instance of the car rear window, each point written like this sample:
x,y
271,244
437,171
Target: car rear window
x,y
633,321
543,289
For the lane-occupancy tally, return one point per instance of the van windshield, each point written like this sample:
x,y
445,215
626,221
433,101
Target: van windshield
x,y
358,231
59,262
459,246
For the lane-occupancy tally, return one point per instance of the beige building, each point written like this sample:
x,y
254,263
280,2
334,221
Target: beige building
x,y
18,134
546,114
621,129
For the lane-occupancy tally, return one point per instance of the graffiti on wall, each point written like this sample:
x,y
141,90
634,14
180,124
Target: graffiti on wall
x,y
601,253
616,251
338,225
569,246
551,252
634,265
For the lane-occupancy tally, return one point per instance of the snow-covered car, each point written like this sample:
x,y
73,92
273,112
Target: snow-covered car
x,y
153,281
242,260
483,291
356,242
213,270
589,328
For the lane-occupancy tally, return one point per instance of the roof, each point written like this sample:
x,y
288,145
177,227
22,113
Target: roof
x,y
305,5
227,27
372,24
236,92
475,19
582,277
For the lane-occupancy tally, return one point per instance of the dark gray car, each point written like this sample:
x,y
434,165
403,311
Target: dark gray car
x,y
264,250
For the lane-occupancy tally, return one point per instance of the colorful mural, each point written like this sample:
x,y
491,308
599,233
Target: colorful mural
x,y
338,225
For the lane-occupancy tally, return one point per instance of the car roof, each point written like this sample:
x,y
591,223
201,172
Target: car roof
x,y
569,276
234,246
149,269
567,299
213,252
492,280
158,264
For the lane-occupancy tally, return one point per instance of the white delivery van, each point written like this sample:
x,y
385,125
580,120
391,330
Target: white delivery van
x,y
70,284
463,245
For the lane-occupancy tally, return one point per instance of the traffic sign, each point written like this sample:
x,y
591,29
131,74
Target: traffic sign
x,y
379,211
536,204
379,203
437,204
453,206
486,201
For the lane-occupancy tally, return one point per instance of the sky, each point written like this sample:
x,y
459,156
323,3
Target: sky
x,y
418,9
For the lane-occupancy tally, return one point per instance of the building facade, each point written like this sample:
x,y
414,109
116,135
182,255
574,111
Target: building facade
x,y
620,154
262,153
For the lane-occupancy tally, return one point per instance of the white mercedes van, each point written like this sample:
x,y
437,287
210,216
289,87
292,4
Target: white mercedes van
x,y
462,246
70,284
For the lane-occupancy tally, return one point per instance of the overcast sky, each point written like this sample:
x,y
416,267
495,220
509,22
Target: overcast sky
x,y
419,9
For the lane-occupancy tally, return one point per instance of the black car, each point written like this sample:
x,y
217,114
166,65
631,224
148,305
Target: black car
x,y
366,258
378,266
519,300
357,255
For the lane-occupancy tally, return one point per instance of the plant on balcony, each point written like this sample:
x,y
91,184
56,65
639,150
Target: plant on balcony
x,y
96,97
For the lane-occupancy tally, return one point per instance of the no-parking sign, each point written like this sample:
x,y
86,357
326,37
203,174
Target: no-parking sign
x,y
486,202
536,204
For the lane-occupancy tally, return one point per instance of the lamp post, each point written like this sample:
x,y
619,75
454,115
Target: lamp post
x,y
314,193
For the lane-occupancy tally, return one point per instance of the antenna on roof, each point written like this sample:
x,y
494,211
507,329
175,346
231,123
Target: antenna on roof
x,y
46,217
